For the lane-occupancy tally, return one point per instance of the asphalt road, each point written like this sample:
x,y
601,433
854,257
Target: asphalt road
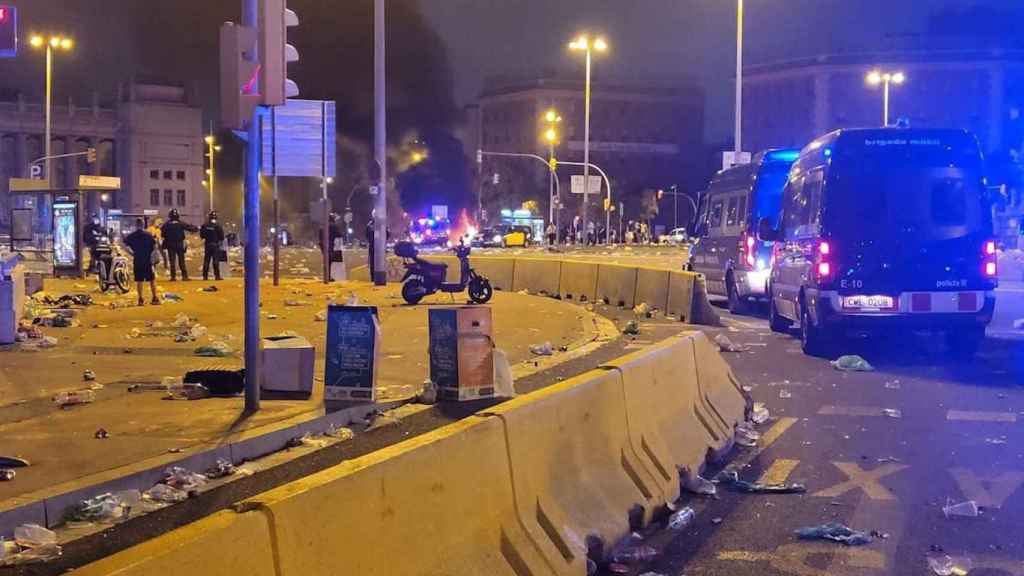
x,y
958,435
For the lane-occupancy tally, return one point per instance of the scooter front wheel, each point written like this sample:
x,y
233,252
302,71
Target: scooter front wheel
x,y
413,291
121,279
480,290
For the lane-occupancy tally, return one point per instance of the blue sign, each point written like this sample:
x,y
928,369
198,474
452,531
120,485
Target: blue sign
x,y
353,348
300,139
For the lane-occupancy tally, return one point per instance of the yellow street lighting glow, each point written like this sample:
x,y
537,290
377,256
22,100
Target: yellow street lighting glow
x,y
66,43
550,135
55,41
36,41
899,78
600,45
874,77
581,43
208,139
551,116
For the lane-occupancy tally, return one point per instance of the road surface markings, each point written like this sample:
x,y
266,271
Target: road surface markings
x,y
800,558
778,472
830,410
767,439
988,491
866,480
977,416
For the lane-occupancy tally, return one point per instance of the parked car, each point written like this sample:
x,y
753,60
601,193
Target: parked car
x,y
727,251
675,237
881,230
505,236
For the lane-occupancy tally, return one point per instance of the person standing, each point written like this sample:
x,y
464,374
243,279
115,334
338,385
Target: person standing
x,y
174,242
552,234
142,244
90,237
157,234
212,234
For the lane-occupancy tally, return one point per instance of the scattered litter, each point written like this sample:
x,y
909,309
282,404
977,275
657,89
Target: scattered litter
x,y
101,434
165,493
182,321
945,565
211,289
307,439
759,414
835,532
429,394
34,555
892,412
178,390
524,292
221,469
340,433
172,297
197,332
134,333
174,450
641,309
852,363
731,478
68,399
214,350
33,535
352,300
108,507
967,509
888,460
697,484
88,375
681,519
381,420
727,345
295,303
635,554
6,474
183,478
320,316
784,394
892,384
716,520
997,441
504,382
272,316
632,328
879,535
545,349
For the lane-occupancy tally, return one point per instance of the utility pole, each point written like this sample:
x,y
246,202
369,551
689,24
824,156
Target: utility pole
x,y
738,136
380,219
253,369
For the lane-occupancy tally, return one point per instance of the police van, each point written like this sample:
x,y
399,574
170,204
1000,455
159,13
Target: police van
x,y
884,229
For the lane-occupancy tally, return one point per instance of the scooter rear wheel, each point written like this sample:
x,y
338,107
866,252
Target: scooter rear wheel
x,y
480,290
121,279
413,291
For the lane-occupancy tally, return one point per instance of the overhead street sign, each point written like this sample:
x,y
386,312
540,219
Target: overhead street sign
x,y
28,185
299,139
577,184
86,182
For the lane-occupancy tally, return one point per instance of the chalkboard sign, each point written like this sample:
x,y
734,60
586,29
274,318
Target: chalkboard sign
x,y
353,349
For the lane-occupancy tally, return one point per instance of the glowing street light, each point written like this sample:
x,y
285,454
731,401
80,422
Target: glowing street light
x,y
584,44
876,77
52,43
552,118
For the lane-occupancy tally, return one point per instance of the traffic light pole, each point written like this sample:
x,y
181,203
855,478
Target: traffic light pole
x,y
253,370
380,218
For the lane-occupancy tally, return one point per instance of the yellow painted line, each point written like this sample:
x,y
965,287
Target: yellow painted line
x,y
977,416
767,439
866,480
803,558
830,410
778,472
990,491
744,556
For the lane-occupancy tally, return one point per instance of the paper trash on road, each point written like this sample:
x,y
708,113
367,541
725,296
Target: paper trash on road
x,y
681,519
731,478
214,350
968,509
545,349
835,532
944,565
74,397
697,484
33,535
727,345
166,494
852,363
759,414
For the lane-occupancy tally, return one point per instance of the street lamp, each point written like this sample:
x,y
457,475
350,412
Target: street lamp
x,y
738,136
587,46
211,149
52,43
876,77
552,119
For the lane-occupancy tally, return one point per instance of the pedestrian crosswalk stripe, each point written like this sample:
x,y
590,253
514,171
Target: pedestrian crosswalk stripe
x,y
830,410
988,491
979,416
866,480
778,472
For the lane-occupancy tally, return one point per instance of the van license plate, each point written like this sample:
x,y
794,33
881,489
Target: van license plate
x,y
868,302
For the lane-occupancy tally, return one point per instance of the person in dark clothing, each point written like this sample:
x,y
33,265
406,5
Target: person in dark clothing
x,y
142,245
212,234
174,242
91,236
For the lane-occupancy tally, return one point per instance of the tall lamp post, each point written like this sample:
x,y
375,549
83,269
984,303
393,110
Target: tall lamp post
x,y
587,46
738,136
876,77
211,149
551,119
51,43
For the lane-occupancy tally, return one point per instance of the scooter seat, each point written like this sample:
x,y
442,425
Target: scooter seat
x,y
429,264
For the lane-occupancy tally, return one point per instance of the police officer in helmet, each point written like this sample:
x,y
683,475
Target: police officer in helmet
x,y
212,234
173,232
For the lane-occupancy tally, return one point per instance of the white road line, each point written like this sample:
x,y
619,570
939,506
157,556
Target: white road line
x,y
831,410
978,416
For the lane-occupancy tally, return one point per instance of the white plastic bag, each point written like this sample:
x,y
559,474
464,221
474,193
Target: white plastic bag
x,y
504,386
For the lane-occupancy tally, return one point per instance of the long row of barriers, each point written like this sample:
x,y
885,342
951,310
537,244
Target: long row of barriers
x,y
523,489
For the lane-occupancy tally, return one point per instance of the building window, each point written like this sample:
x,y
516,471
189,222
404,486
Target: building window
x,y
154,197
181,174
154,174
168,197
181,197
167,174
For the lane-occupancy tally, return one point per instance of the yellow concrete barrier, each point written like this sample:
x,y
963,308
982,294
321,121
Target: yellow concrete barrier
x,y
578,281
441,503
719,387
536,276
573,467
224,544
680,295
500,271
652,287
617,284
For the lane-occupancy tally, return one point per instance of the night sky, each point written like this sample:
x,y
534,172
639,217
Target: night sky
x,y
478,39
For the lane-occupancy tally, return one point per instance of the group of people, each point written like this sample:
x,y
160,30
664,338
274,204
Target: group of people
x,y
593,234
163,243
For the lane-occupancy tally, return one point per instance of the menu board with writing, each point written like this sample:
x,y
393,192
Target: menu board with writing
x,y
353,350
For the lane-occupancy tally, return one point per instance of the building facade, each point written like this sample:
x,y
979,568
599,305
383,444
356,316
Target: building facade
x,y
642,136
152,138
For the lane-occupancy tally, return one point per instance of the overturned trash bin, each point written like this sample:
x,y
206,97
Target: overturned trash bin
x,y
461,352
288,366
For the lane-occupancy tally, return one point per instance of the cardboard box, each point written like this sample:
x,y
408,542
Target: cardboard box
x,y
288,366
462,352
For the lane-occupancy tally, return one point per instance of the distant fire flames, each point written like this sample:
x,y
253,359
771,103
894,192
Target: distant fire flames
x,y
462,228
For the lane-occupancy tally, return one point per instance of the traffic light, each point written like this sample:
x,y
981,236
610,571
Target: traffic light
x,y
607,204
90,155
275,52
239,89
8,31
553,164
